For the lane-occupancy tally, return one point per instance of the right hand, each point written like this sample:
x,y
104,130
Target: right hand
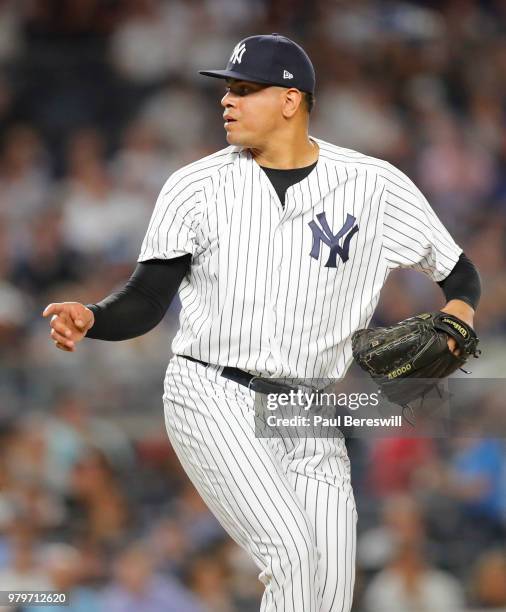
x,y
69,323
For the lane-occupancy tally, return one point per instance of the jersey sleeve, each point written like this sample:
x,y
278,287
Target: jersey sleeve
x,y
171,230
413,235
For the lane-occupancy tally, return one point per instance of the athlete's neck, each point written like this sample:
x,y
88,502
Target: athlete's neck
x,y
286,154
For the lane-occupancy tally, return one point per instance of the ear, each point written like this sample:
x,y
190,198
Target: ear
x,y
292,99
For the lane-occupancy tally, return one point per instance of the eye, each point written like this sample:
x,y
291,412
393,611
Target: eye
x,y
239,89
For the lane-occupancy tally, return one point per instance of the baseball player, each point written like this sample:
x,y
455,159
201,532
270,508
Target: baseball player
x,y
278,246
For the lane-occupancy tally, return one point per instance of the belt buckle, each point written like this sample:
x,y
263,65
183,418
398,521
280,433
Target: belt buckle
x,y
252,379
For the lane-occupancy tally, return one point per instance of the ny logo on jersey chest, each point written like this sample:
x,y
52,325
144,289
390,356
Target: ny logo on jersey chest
x,y
323,233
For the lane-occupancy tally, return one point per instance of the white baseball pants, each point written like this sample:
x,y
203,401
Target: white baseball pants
x,y
288,502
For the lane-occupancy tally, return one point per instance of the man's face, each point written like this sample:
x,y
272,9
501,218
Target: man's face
x,y
252,112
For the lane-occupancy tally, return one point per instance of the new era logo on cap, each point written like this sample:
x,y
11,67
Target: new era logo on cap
x,y
287,75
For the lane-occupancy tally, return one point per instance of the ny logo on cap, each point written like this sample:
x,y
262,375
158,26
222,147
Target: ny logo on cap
x,y
237,53
324,234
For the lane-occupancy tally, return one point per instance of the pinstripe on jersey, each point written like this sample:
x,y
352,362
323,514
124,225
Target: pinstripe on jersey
x,y
255,298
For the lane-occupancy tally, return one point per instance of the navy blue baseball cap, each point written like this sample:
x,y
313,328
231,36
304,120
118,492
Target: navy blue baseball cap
x,y
270,59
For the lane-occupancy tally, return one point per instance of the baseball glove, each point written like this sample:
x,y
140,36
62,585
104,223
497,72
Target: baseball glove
x,y
407,359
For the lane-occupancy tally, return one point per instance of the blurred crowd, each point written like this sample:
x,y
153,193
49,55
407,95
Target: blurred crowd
x,y
100,101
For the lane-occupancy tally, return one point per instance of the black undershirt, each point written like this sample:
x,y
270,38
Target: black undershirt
x,y
282,179
143,302
463,283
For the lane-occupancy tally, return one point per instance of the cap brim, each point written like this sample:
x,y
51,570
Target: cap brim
x,y
233,74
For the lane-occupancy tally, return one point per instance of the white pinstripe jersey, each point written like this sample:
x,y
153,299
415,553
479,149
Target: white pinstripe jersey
x,y
263,293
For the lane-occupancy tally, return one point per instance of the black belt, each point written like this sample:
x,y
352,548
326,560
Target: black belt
x,y
255,383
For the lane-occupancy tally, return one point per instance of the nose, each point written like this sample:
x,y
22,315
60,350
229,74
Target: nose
x,y
228,100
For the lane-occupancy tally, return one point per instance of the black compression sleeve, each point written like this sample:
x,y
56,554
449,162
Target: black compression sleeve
x,y
463,283
142,303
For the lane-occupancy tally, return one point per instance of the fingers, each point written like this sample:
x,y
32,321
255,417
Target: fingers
x,y
453,346
59,325
62,335
64,348
63,330
53,309
61,340
75,311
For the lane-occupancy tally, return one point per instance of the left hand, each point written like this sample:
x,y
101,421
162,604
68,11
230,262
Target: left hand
x,y
463,311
